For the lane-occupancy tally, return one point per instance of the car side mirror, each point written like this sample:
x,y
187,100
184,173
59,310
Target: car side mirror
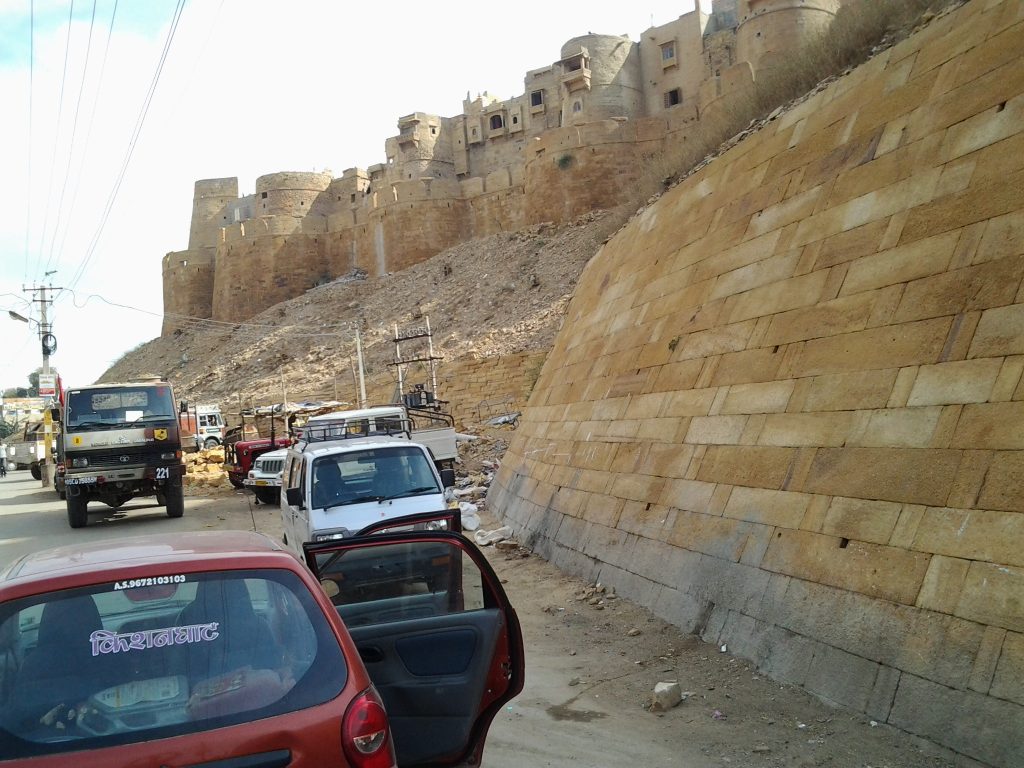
x,y
294,496
183,407
448,478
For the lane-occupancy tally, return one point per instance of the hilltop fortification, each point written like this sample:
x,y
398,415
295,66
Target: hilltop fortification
x,y
577,139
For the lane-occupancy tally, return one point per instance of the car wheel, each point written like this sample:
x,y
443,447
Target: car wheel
x,y
78,510
268,496
175,497
37,473
211,442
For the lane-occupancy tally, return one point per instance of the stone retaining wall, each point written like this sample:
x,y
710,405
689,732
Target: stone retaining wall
x,y
786,408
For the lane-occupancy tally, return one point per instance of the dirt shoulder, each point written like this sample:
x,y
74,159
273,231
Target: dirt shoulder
x,y
593,660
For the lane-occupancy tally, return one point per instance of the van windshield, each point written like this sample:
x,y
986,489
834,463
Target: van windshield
x,y
372,474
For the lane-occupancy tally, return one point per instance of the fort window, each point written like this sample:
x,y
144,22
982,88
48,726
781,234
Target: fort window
x,y
496,122
515,119
668,54
263,195
433,130
353,198
577,106
673,98
537,99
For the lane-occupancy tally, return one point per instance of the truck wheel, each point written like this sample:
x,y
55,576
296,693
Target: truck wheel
x,y
37,473
175,497
211,442
78,510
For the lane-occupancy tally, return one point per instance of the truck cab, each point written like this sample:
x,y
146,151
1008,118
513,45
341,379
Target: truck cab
x,y
335,485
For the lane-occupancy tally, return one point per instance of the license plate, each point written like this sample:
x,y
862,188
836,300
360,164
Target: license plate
x,y
261,482
79,480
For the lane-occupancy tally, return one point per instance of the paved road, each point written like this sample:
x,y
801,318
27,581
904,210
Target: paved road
x,y
34,518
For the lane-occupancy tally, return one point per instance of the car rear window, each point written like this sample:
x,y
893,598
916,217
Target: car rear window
x,y
149,658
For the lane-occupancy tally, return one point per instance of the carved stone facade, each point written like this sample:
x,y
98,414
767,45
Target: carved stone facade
x,y
573,141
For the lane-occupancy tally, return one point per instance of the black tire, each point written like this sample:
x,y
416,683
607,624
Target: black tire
x,y
78,510
268,496
211,442
37,473
175,497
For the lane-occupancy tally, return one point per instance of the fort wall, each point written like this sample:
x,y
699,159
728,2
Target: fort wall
x,y
575,140
784,409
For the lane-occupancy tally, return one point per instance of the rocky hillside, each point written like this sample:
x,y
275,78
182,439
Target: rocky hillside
x,y
496,296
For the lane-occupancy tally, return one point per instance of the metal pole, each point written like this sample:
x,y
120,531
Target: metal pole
x,y
44,329
362,379
430,354
398,366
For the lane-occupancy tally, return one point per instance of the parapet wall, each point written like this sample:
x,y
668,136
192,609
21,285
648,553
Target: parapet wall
x,y
785,408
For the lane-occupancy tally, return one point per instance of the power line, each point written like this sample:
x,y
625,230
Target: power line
x,y
88,133
31,77
56,133
90,251
71,145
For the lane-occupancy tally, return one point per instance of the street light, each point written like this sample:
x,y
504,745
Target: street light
x,y
15,316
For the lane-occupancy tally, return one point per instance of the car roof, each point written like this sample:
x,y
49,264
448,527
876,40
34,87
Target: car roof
x,y
362,413
347,445
92,559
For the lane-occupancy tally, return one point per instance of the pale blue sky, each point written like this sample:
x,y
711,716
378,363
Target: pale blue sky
x,y
249,87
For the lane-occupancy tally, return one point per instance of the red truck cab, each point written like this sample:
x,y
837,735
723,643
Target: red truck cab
x,y
239,456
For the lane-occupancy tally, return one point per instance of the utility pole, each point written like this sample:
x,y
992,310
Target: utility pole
x,y
48,342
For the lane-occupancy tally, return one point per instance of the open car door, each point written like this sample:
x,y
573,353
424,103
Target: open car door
x,y
434,628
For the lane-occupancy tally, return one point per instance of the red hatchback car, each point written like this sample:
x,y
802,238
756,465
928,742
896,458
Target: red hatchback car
x,y
222,650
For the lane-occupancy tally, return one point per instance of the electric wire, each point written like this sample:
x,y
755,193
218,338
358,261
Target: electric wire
x,y
112,197
246,330
88,133
71,145
56,137
31,77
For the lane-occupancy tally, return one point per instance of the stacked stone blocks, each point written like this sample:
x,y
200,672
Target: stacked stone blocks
x,y
785,408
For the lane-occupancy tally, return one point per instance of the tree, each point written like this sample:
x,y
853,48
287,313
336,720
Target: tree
x,y
16,392
6,429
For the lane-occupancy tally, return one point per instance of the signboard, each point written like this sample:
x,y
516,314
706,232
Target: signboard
x,y
47,385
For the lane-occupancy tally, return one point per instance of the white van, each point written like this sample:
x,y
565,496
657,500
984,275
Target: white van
x,y
334,485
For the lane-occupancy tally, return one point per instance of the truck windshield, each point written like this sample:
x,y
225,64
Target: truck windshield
x,y
113,406
371,474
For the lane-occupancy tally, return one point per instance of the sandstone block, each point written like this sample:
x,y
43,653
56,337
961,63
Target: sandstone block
x,y
916,476
861,519
690,495
913,261
890,347
900,428
976,534
943,584
781,296
992,595
807,429
857,390
968,381
841,677
970,723
985,662
767,397
994,426
978,287
1008,678
716,429
755,466
881,572
1000,332
785,509
829,318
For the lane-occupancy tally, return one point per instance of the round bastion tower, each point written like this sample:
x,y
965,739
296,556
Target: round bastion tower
x,y
289,193
188,275
601,78
771,29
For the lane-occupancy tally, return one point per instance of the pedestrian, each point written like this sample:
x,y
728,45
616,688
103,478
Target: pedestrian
x,y
3,466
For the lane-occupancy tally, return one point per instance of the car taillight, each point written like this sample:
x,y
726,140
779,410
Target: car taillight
x,y
365,734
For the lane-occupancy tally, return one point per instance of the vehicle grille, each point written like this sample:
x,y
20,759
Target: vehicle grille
x,y
118,458
271,467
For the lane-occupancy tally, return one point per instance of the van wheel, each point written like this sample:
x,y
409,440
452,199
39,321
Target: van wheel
x,y
78,510
175,496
